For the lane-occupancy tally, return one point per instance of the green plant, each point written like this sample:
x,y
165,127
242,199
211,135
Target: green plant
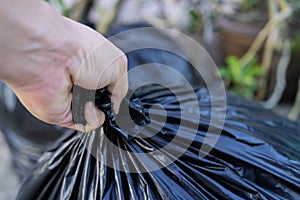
x,y
242,79
250,4
295,42
60,4
78,10
195,21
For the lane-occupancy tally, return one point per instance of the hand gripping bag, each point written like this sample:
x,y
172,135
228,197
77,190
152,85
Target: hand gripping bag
x,y
160,144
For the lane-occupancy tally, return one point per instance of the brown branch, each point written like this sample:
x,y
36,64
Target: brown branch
x,y
264,33
108,19
280,76
81,9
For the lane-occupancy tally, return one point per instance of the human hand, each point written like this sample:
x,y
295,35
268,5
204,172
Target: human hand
x,y
42,58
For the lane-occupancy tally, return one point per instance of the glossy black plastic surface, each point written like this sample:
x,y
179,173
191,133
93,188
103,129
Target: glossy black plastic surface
x,y
257,155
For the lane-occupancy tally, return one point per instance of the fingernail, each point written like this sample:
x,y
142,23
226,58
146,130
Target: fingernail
x,y
91,108
116,109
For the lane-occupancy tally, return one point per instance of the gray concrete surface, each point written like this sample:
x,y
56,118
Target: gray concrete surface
x,y
9,182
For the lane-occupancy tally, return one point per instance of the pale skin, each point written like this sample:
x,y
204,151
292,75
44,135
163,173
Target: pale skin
x,y
43,54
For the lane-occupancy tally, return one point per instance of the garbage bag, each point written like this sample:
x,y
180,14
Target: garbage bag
x,y
158,146
256,157
26,136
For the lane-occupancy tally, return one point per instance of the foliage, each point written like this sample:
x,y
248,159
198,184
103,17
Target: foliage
x,y
295,41
60,5
294,25
242,79
195,21
250,4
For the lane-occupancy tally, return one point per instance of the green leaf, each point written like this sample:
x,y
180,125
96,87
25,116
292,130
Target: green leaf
x,y
235,68
250,62
225,73
255,71
194,15
242,78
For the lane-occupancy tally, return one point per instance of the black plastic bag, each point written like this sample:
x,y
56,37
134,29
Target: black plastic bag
x,y
160,155
26,136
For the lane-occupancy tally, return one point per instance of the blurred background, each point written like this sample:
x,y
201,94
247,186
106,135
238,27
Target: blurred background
x,y
255,44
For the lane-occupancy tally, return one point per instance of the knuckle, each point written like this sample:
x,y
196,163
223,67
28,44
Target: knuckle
x,y
123,62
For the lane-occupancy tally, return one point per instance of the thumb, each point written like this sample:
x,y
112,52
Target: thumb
x,y
94,117
99,64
